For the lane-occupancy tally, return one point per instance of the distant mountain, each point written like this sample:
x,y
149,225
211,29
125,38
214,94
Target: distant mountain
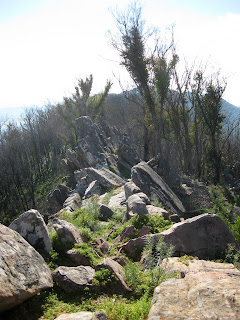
x,y
232,112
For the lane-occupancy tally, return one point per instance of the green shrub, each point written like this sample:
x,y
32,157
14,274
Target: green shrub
x,y
156,223
85,250
104,278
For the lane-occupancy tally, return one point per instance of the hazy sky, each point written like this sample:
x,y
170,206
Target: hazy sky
x,y
47,44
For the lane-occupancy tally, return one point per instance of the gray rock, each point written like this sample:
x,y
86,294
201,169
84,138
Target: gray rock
x,y
31,226
152,184
92,189
74,279
66,231
175,218
117,269
23,272
83,315
127,155
137,203
127,232
77,258
102,245
106,178
105,212
73,202
118,201
57,197
157,211
130,188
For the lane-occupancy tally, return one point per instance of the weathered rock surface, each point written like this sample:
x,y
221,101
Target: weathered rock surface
x,y
92,189
127,155
83,315
66,231
137,203
106,178
157,211
118,201
23,272
130,188
152,184
73,279
31,226
175,264
73,202
117,269
202,295
102,245
205,236
77,258
57,197
105,212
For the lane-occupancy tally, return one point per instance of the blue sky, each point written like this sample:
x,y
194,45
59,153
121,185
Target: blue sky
x,y
47,44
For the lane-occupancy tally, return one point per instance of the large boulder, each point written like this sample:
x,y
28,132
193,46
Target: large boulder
x,y
130,188
205,236
127,155
202,295
74,279
66,231
31,226
152,184
83,315
137,203
106,178
23,272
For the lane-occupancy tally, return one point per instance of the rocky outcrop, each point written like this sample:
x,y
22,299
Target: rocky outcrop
x,y
130,188
117,269
105,212
152,184
101,147
31,226
205,236
201,295
66,231
92,189
74,279
106,178
23,272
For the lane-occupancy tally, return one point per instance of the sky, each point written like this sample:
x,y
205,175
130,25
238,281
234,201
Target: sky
x,y
46,45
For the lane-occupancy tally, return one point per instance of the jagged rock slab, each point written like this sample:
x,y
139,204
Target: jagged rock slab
x,y
205,236
74,279
73,202
66,231
117,269
92,189
31,226
152,184
106,178
202,295
23,272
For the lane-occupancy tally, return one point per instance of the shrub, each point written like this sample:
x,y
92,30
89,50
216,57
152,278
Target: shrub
x,y
157,223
